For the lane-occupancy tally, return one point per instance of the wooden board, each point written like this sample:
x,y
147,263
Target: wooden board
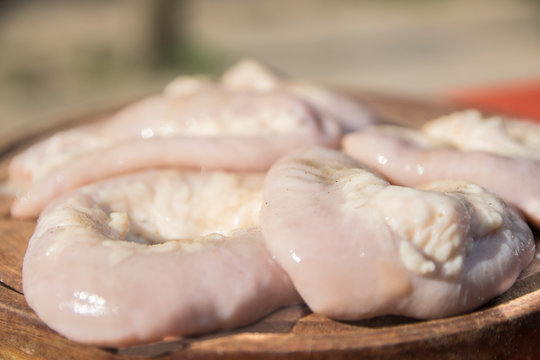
x,y
506,327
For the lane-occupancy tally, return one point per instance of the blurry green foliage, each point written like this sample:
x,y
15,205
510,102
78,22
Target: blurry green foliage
x,y
190,57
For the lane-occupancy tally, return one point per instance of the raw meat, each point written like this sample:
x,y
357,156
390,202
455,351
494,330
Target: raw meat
x,y
470,131
351,115
408,157
245,122
357,247
142,257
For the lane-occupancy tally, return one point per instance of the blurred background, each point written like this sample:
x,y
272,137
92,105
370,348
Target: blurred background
x,y
60,56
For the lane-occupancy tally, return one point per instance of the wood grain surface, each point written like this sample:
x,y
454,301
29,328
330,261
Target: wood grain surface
x,y
507,327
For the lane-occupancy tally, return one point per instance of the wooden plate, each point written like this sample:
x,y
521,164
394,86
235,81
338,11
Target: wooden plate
x,y
506,327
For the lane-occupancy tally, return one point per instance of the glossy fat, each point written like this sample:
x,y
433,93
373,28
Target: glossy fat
x,y
408,157
129,261
235,124
356,246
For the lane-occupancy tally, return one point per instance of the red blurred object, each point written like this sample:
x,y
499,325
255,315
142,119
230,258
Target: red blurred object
x,y
522,100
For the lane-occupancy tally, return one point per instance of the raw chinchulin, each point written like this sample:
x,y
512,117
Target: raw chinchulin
x,y
500,155
356,246
165,253
244,122
470,131
142,257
